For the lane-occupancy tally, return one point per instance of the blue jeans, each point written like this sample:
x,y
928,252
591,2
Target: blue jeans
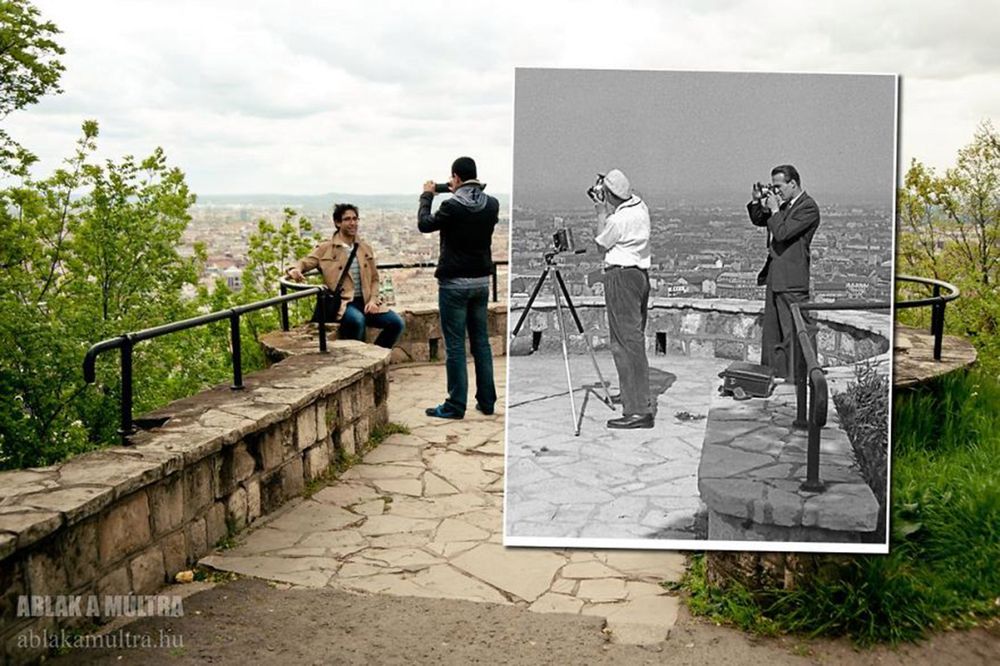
x,y
461,310
354,321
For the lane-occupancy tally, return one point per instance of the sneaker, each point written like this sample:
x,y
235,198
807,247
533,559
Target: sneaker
x,y
488,411
443,412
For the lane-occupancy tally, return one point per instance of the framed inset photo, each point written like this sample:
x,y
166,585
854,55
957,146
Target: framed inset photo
x,y
701,284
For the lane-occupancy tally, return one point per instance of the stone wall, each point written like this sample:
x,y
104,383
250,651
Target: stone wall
x,y
125,520
720,328
421,340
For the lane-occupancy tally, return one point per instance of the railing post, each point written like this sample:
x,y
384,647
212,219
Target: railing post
x,y
495,282
283,290
799,372
937,322
321,313
126,428
234,333
812,483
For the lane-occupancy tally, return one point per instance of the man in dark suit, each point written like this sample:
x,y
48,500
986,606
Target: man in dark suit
x,y
791,217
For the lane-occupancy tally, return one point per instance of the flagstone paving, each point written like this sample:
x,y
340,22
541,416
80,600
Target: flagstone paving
x,y
632,485
420,516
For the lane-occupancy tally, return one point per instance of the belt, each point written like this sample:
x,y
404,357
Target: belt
x,y
611,267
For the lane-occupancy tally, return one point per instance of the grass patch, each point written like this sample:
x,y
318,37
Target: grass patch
x,y
942,569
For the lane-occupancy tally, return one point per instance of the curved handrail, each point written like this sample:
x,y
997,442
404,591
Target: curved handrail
x,y
814,381
127,341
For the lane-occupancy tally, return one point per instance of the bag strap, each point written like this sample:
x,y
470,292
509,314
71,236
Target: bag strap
x,y
347,268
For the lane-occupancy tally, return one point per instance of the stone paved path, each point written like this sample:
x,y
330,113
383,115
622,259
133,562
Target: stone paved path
x,y
421,517
605,484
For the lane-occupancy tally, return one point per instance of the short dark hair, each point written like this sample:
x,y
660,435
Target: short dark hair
x,y
464,168
340,209
789,172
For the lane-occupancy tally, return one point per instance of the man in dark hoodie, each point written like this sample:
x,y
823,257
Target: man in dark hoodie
x,y
466,223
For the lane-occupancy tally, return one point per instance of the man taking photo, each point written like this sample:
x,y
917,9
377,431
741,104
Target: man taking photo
x,y
465,223
623,233
791,217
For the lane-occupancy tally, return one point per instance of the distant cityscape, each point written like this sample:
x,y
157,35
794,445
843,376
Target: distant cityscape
x,y
709,251
714,252
225,223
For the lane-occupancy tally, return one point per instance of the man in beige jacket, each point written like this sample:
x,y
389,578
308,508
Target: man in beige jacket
x,y
361,304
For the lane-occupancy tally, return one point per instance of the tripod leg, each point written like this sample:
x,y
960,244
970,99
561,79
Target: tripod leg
x,y
531,300
583,409
579,327
565,353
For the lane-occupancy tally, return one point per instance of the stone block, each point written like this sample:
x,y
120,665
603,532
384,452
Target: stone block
x,y
381,381
346,441
276,445
166,503
366,396
701,348
692,322
381,416
253,500
236,508
349,399
13,584
237,466
116,582
305,427
124,529
322,430
198,491
25,644
292,478
317,459
175,553
731,349
46,572
215,523
197,539
826,339
332,412
362,431
147,571
80,555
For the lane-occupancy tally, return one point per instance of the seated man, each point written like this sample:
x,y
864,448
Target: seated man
x,y
361,304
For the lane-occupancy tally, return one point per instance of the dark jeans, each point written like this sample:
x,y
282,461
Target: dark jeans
x,y
461,310
626,293
354,321
777,330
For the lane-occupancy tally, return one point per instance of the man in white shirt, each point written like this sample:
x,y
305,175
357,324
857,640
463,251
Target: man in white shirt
x,y
623,233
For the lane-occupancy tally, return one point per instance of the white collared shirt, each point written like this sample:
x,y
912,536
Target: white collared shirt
x,y
626,235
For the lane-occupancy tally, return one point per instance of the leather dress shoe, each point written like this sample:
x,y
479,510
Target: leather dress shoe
x,y
632,421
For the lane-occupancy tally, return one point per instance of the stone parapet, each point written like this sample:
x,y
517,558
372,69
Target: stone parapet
x,y
421,341
753,462
718,327
125,520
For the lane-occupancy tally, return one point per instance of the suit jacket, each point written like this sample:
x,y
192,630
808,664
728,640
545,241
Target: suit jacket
x,y
791,231
331,257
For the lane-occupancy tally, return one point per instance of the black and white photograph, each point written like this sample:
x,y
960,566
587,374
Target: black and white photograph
x,y
701,282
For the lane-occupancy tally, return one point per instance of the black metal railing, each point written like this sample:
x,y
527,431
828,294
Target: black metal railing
x,y
810,379
127,342
285,285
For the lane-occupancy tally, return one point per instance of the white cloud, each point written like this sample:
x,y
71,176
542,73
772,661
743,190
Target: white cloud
x,y
376,97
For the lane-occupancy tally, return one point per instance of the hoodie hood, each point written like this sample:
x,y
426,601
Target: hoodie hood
x,y
470,195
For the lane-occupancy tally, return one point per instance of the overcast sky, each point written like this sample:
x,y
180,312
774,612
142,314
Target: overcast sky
x,y
372,97
702,136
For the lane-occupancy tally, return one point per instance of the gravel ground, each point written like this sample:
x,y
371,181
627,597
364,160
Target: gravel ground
x,y
248,621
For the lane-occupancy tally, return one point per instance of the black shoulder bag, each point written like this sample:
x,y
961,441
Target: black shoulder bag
x,y
331,301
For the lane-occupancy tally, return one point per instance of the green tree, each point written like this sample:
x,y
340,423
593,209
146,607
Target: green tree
x,y
950,229
93,254
29,68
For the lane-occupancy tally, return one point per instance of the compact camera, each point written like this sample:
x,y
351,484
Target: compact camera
x,y
441,188
596,191
766,189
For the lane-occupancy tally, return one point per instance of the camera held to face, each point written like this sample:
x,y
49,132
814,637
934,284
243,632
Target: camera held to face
x,y
596,191
764,190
